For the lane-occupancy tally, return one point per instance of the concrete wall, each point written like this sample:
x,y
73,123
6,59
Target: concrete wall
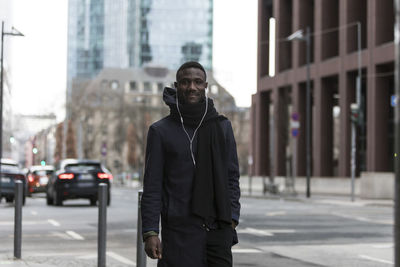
x,y
377,185
371,185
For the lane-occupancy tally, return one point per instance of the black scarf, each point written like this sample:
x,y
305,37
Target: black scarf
x,y
210,198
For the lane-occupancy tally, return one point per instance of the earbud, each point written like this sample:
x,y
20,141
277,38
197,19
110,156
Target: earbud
x,y
206,91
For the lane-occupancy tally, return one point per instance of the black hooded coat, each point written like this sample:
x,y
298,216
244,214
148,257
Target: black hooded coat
x,y
168,189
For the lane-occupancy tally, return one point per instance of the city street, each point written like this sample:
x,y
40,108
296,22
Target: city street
x,y
272,232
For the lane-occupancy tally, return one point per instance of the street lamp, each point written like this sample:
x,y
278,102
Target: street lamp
x,y
14,32
299,35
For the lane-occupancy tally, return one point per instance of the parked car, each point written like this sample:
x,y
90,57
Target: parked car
x,y
10,172
38,177
74,178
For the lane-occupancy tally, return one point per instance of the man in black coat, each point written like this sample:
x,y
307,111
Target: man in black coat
x,y
191,179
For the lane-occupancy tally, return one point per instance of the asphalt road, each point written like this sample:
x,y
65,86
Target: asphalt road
x,y
324,232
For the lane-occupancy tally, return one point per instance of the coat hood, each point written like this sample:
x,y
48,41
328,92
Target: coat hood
x,y
169,96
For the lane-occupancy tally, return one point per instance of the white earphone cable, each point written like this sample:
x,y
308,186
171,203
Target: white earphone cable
x,y
194,133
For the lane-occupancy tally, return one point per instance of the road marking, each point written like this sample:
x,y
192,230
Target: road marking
x,y
75,235
363,219
275,213
246,250
281,231
120,258
375,259
34,212
264,232
53,222
253,231
61,235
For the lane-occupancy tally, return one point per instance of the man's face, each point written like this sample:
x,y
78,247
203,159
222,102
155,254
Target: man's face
x,y
191,85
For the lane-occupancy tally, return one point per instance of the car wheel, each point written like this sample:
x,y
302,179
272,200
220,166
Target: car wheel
x,y
93,201
57,198
108,198
23,200
9,199
49,200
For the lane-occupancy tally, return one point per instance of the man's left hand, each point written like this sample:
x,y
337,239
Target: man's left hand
x,y
234,224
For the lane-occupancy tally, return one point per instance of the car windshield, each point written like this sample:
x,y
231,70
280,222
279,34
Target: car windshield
x,y
9,168
80,167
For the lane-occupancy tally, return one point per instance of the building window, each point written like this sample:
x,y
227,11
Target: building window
x,y
104,84
147,87
132,86
160,87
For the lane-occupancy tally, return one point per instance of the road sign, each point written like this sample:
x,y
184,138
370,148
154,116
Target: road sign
x,y
104,149
295,116
295,124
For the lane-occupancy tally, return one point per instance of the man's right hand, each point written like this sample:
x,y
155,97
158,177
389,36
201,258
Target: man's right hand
x,y
153,247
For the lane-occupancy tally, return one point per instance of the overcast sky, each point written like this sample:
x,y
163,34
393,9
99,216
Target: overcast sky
x,y
39,59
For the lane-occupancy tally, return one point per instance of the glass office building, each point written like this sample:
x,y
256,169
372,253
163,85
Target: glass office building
x,y
134,33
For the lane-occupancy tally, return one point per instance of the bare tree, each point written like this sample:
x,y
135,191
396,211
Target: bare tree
x,y
71,141
131,139
59,142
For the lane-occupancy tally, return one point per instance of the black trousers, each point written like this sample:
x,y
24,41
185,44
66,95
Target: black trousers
x,y
219,247
195,246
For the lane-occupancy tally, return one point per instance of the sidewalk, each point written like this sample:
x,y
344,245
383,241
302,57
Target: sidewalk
x,y
255,188
8,261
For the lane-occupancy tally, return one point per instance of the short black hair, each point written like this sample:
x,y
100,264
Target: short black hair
x,y
191,64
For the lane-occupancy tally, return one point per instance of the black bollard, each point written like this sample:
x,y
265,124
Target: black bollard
x,y
140,253
18,218
102,226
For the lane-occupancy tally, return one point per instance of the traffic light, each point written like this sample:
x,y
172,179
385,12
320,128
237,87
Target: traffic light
x,y
354,113
43,163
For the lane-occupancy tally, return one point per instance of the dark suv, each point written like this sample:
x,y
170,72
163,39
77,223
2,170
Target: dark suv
x,y
75,178
10,172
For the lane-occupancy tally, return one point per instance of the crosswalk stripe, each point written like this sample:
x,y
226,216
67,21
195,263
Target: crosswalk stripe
x,y
61,235
375,259
264,232
246,250
276,213
75,235
53,222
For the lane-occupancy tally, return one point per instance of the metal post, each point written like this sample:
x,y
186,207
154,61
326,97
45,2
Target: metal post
x,y
140,253
353,154
397,139
102,225
250,180
360,103
18,218
294,165
271,155
308,113
1,97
